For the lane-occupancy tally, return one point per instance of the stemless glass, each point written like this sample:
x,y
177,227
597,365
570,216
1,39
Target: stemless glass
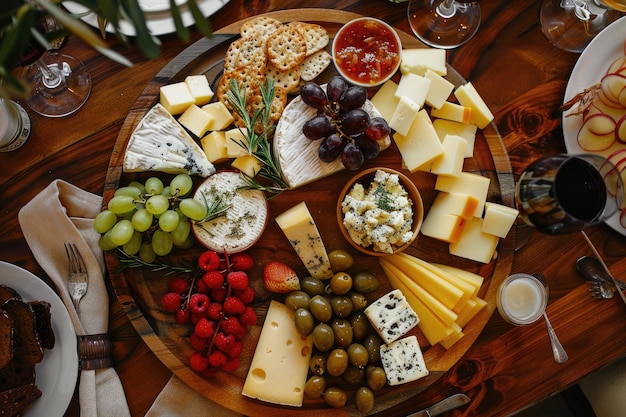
x,y
567,193
444,23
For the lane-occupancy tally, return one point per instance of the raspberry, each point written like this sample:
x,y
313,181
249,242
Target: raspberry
x,y
224,342
204,328
210,371
241,262
171,302
178,285
246,295
214,311
201,287
198,303
233,305
237,280
235,350
217,358
209,261
182,315
231,325
198,343
248,317
198,362
195,317
213,279
231,365
219,294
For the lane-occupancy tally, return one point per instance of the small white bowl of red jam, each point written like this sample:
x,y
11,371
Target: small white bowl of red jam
x,y
366,51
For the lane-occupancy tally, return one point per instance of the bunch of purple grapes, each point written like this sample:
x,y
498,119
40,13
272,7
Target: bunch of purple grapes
x,y
345,129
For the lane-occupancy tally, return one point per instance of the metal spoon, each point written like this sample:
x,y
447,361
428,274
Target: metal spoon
x,y
592,269
560,356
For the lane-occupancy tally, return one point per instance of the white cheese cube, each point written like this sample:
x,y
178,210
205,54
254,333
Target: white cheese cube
x,y
199,88
414,87
439,91
404,115
419,60
176,98
196,120
458,204
466,183
453,111
392,316
214,146
222,117
236,142
248,164
403,361
498,219
451,162
421,145
385,100
469,97
442,226
475,244
467,131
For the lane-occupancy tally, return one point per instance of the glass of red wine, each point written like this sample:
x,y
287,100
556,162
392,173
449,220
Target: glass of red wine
x,y
566,193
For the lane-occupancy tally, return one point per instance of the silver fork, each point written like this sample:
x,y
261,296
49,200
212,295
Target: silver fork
x,y
600,290
77,285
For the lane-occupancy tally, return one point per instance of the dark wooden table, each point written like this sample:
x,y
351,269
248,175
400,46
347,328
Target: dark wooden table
x,y
521,77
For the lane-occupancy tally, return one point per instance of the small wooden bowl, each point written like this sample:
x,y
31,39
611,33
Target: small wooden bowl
x,y
366,177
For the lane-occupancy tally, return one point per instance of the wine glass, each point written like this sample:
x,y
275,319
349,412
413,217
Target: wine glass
x,y
566,193
444,23
571,24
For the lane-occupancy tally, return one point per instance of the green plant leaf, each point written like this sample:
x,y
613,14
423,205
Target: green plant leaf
x,y
181,30
147,43
202,23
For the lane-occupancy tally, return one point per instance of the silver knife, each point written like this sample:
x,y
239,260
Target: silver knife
x,y
443,406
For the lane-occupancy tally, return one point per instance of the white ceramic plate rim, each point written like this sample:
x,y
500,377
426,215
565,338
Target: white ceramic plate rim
x,y
159,21
56,374
594,61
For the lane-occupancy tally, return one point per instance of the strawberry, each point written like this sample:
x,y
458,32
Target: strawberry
x,y
280,278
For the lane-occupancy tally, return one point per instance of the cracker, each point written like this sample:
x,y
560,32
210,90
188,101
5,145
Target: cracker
x,y
316,36
245,52
260,27
248,78
287,80
286,48
314,65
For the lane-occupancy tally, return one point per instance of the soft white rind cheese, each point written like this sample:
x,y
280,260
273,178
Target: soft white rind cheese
x,y
160,143
403,361
392,316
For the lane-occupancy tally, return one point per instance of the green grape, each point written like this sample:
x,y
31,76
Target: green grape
x,y
167,191
157,204
181,185
122,232
133,246
105,242
162,242
154,185
181,232
169,220
104,221
121,204
146,253
193,209
133,192
189,242
139,186
142,220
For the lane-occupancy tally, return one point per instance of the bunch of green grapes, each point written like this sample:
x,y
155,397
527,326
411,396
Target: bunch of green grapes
x,y
150,219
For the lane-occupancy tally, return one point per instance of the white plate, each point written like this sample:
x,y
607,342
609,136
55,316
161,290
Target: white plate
x,y
158,17
591,65
56,374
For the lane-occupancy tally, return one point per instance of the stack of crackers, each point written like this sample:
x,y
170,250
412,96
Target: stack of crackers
x,y
289,53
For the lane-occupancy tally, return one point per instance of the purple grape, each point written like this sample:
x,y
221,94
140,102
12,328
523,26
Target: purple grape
x,y
369,147
331,147
352,157
313,96
318,127
353,98
336,87
377,129
354,121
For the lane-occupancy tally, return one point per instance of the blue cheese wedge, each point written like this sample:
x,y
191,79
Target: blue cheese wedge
x,y
160,143
392,316
403,361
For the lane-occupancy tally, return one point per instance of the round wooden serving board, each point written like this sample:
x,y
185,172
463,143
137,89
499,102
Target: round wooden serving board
x,y
139,291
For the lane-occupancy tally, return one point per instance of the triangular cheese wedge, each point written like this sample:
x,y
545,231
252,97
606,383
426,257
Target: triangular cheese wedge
x,y
160,143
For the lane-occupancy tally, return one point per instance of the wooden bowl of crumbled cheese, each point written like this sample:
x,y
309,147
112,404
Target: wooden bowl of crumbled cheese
x,y
380,211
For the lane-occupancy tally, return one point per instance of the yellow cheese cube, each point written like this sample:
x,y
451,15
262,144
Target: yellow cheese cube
x,y
453,111
404,115
439,91
458,204
176,98
421,145
475,244
467,183
442,226
414,87
469,97
248,164
214,146
467,131
385,99
199,88
451,162
222,117
498,219
419,60
236,142
196,120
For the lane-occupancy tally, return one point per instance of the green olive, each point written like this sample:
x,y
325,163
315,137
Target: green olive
x,y
364,400
372,343
341,283
353,375
375,377
312,286
297,299
341,305
315,386
321,308
358,355
365,282
323,337
304,321
335,397
361,326
343,332
358,300
337,362
317,364
340,260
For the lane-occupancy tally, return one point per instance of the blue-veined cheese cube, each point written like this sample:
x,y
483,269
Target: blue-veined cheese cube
x,y
392,316
403,361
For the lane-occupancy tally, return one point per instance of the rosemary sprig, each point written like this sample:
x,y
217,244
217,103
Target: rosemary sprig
x,y
132,261
215,208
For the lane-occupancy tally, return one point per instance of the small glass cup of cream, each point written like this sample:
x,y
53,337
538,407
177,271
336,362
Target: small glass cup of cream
x,y
521,299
